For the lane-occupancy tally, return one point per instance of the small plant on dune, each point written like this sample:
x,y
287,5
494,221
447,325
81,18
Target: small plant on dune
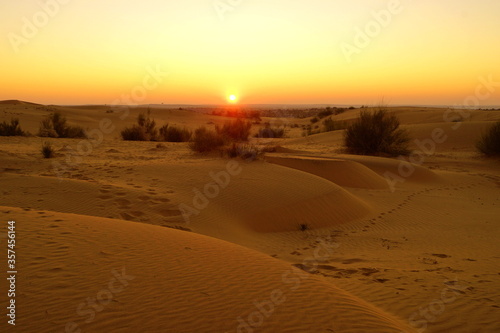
x,y
489,144
304,226
205,140
174,134
144,130
55,126
376,133
237,130
11,129
48,150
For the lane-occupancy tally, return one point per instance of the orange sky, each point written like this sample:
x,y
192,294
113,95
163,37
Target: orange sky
x,y
262,51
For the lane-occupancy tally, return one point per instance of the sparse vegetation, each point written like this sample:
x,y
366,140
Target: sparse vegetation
x,y
144,130
205,140
271,132
489,144
48,150
11,129
245,151
171,133
376,133
55,126
237,130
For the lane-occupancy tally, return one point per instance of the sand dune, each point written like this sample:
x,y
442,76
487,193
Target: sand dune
x,y
164,280
341,172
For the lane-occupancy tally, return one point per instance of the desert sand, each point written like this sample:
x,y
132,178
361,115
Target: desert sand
x,y
303,239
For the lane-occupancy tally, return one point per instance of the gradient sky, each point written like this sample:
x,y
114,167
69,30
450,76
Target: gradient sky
x,y
263,51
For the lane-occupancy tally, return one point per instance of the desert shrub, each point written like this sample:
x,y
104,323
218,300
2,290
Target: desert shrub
x,y
134,133
489,144
376,134
144,130
237,130
245,151
174,134
11,129
330,125
271,132
55,126
74,132
47,150
205,140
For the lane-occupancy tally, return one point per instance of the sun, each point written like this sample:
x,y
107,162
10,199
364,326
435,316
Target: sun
x,y
232,98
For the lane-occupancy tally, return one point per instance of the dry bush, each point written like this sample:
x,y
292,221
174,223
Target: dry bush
x,y
174,134
205,140
144,130
47,150
245,151
55,126
11,129
376,133
237,130
271,132
489,144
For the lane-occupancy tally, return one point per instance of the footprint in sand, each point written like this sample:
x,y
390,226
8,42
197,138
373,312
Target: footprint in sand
x,y
169,212
441,255
122,202
126,216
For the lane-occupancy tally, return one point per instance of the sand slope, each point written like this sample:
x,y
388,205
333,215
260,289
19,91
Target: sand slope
x,y
168,281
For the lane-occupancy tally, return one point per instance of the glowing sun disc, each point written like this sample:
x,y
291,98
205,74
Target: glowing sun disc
x,y
232,98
